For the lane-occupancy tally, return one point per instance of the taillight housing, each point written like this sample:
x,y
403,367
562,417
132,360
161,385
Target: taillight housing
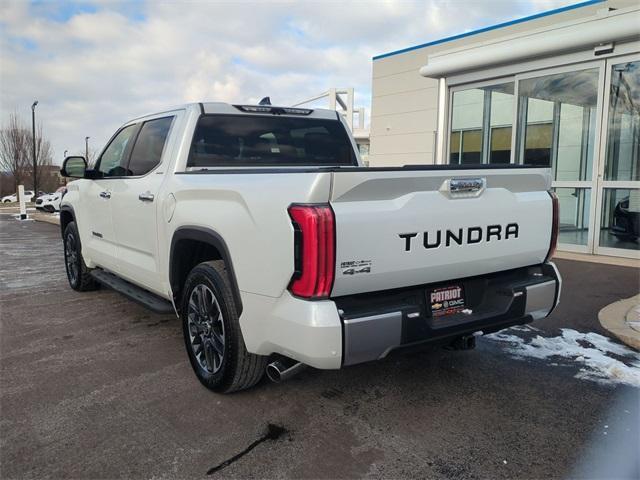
x,y
314,250
555,225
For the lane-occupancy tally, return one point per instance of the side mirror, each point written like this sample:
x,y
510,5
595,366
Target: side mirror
x,y
74,167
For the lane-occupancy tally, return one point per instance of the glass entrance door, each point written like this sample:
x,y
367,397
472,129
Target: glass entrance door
x,y
618,205
558,127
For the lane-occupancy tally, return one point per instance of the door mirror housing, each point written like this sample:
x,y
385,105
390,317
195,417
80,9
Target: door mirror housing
x,y
74,167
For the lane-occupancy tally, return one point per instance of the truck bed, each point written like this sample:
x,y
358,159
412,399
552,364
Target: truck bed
x,y
381,211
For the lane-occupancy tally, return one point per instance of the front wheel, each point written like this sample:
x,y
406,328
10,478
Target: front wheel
x,y
212,335
77,272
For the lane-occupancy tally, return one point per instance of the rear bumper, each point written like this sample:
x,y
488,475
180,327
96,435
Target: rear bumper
x,y
494,302
329,334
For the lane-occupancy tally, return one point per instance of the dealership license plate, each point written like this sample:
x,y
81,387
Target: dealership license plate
x,y
446,300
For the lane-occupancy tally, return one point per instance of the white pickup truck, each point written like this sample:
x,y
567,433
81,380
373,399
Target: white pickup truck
x,y
261,228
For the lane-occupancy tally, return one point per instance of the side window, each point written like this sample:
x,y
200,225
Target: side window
x,y
148,148
113,162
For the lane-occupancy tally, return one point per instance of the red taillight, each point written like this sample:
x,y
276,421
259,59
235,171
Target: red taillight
x,y
314,227
555,223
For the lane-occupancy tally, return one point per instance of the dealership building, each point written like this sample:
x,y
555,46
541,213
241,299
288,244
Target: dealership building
x,y
560,89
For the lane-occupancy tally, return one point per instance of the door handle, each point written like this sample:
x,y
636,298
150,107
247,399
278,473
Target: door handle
x,y
146,197
106,195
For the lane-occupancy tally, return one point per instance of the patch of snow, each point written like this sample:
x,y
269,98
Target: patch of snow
x,y
17,217
600,359
524,328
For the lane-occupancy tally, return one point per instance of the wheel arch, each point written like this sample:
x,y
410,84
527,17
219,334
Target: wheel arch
x,y
67,215
192,245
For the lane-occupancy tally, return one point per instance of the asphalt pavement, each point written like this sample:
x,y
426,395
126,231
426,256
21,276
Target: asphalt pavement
x,y
94,386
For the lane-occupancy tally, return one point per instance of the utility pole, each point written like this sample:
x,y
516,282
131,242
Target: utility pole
x,y
35,160
86,148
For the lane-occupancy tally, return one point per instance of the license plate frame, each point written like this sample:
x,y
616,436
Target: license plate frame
x,y
446,301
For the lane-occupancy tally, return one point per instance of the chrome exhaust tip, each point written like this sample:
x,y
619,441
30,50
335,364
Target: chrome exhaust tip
x,y
281,370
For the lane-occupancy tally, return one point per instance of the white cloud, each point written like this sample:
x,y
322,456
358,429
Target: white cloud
x,y
95,65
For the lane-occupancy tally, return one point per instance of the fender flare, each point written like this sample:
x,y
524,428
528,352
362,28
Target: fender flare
x,y
213,238
67,208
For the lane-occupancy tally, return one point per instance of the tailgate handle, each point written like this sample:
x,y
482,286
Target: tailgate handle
x,y
466,187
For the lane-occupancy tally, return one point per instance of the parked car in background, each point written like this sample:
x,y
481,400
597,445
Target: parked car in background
x,y
626,221
50,202
28,195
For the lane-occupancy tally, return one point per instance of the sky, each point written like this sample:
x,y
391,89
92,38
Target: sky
x,y
93,65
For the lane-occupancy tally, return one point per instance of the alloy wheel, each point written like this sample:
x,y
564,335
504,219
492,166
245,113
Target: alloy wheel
x,y
206,328
71,258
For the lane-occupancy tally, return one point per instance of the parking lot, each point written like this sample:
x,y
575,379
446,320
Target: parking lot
x,y
94,386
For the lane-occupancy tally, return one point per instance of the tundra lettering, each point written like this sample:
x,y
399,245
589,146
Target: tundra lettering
x,y
473,235
260,227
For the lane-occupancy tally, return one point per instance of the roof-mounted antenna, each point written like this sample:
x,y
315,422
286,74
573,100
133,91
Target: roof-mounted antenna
x,y
265,101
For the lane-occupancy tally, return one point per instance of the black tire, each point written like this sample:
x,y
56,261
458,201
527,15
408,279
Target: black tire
x,y
77,272
234,368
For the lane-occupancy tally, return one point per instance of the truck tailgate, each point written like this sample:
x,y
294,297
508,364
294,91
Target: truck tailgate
x,y
396,228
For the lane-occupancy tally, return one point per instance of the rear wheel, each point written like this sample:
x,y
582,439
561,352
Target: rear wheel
x,y
212,335
77,272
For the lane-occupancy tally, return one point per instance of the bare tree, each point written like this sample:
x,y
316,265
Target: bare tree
x,y
16,155
93,157
14,149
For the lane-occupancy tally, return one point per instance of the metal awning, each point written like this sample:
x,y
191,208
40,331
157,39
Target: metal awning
x,y
616,26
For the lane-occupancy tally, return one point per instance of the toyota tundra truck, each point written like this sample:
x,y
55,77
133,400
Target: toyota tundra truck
x,y
261,228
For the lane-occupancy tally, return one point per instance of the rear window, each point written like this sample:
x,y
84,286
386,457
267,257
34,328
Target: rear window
x,y
248,140
147,151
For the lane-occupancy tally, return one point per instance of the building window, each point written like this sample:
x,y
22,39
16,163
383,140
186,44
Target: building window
x,y
574,215
620,215
481,122
623,148
620,218
560,121
557,123
500,145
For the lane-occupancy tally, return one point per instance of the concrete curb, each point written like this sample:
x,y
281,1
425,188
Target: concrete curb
x,y
45,217
588,257
620,319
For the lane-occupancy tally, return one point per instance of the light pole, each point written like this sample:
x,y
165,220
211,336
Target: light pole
x,y
64,179
86,148
33,137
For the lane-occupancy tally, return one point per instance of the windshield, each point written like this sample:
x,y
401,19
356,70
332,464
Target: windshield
x,y
260,140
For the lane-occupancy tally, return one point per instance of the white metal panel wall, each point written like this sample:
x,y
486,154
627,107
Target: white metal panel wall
x,y
404,112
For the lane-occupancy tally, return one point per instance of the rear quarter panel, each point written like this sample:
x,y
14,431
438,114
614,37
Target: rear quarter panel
x,y
249,212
